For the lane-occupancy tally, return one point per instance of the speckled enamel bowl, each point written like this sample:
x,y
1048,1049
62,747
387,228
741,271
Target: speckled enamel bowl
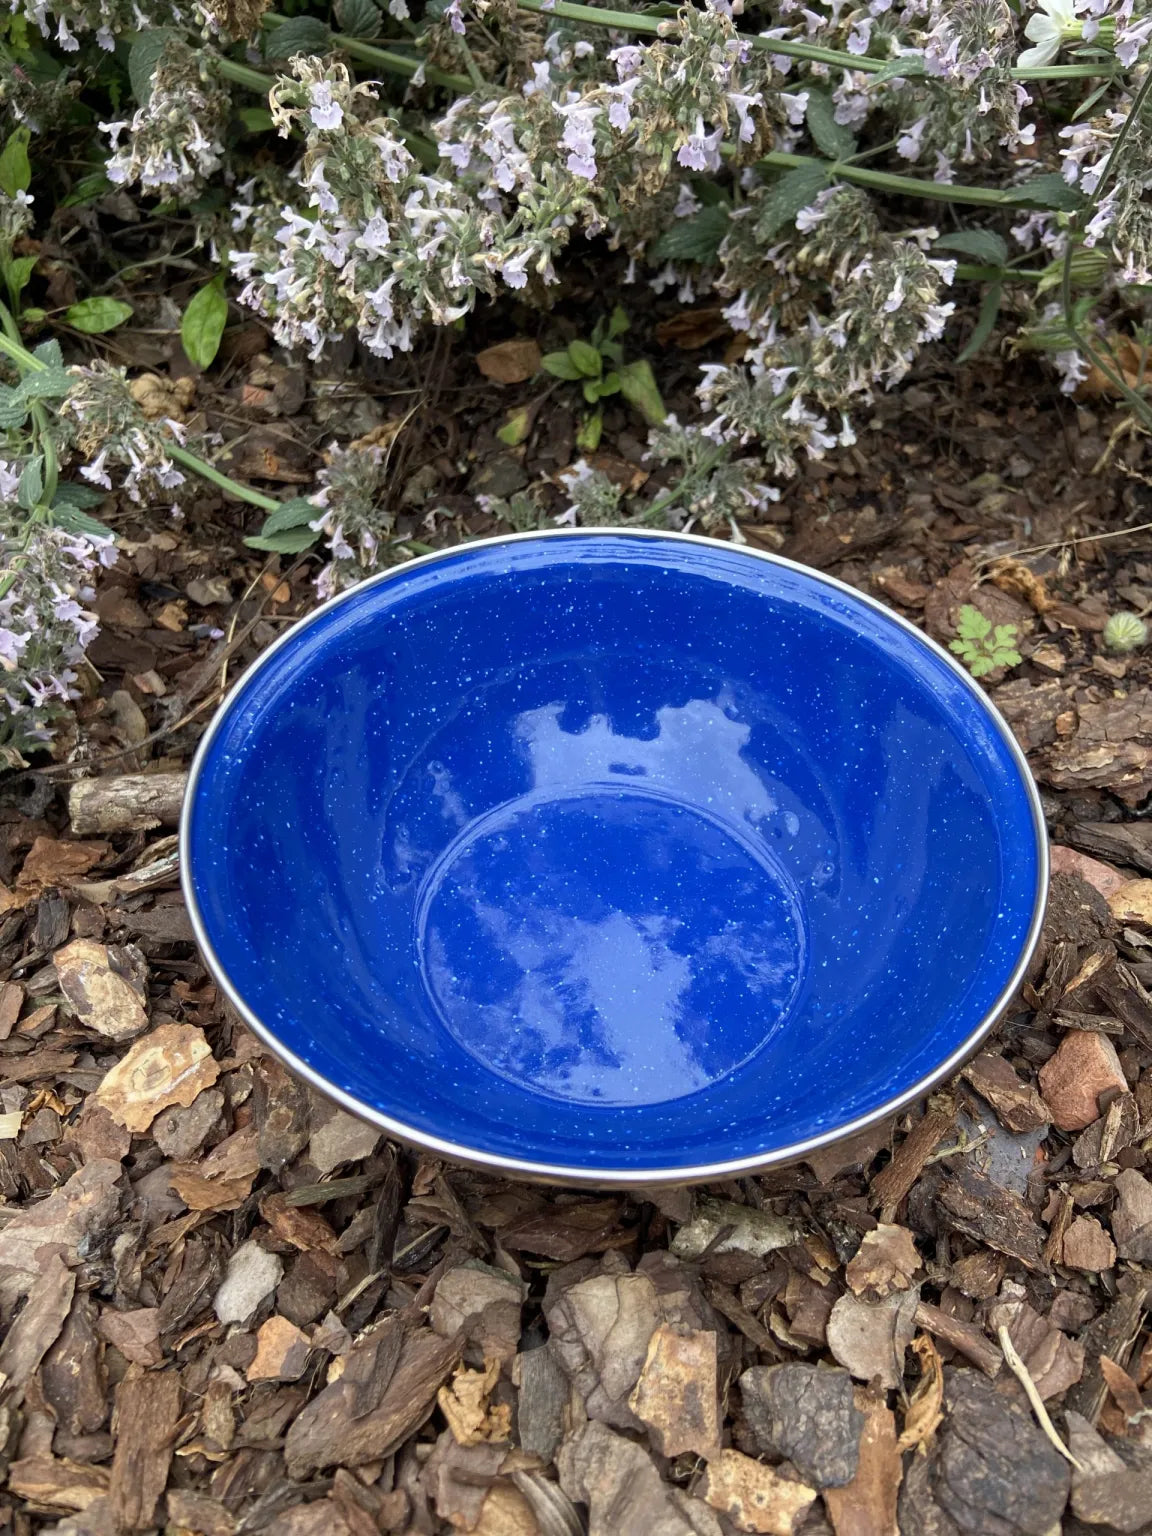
x,y
614,857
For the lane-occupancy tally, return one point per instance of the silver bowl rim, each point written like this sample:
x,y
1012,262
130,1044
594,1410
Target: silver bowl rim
x,y
623,1178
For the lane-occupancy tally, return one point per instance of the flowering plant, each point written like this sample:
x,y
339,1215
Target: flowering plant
x,y
412,158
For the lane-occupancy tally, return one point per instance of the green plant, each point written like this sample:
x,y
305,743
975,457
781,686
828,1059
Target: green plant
x,y
598,366
982,646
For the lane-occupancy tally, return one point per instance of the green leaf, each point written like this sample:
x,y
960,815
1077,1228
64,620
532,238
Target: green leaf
x,y
618,322
33,315
517,427
609,384
73,495
49,352
51,384
300,34
143,57
985,320
17,270
203,323
696,238
1006,657
1047,191
613,351
31,487
791,193
972,624
15,167
90,187
983,245
358,18
588,437
587,359
297,513
1005,635
591,390
291,541
831,138
97,314
638,386
13,409
560,365
981,666
255,119
72,520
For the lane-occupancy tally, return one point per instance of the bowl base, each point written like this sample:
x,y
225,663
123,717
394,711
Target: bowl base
x,y
610,947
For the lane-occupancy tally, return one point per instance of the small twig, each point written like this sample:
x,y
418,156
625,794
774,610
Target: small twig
x,y
1020,1371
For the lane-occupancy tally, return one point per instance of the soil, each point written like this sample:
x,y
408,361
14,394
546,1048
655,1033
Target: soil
x,y
230,1309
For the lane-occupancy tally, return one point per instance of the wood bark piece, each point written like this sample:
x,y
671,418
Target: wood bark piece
x,y
755,1497
867,1505
964,1337
171,1065
676,1395
88,1202
56,1482
106,986
806,1416
38,1326
328,1433
146,1414
892,1183
129,802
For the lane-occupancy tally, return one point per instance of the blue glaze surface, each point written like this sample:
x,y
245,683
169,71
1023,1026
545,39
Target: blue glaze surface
x,y
612,852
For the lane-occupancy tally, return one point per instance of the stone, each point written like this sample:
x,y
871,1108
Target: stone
x,y
253,1274
181,1132
1105,879
1084,1067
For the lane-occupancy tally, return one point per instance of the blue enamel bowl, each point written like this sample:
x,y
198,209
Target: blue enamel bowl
x,y
614,857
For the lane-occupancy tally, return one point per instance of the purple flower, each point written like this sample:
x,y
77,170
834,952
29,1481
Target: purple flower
x,y
325,112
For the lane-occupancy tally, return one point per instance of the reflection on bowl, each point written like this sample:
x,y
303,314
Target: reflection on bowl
x,y
613,857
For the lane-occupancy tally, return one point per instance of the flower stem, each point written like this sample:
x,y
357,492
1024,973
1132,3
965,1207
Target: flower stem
x,y
384,58
217,477
630,21
886,181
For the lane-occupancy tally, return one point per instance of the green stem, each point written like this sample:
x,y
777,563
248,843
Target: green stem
x,y
243,74
967,273
629,21
886,181
384,58
217,477
11,347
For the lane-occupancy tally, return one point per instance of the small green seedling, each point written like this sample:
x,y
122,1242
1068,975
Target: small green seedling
x,y
981,647
598,366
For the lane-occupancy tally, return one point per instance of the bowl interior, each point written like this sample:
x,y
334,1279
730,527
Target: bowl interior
x,y
608,852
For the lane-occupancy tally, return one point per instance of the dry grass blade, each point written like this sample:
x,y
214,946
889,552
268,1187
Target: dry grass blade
x,y
1020,1371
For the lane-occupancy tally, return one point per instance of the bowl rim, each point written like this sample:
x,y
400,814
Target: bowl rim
x,y
626,1178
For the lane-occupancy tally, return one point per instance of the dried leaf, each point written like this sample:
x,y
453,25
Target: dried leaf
x,y
464,1403
885,1261
925,1407
869,1338
721,1226
510,362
